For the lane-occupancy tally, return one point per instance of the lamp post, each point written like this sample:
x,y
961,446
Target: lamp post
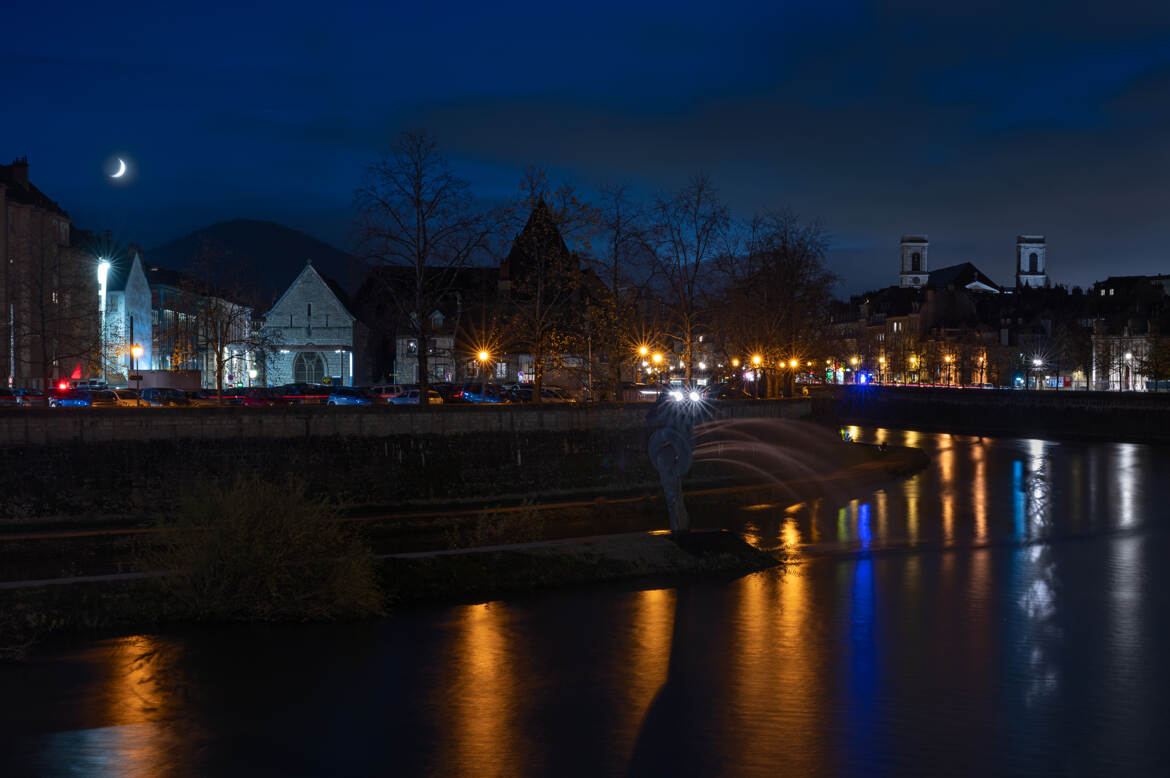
x,y
103,274
853,361
483,357
1037,363
950,360
643,352
136,352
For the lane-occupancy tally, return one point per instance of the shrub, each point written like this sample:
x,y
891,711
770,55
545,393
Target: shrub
x,y
522,525
259,551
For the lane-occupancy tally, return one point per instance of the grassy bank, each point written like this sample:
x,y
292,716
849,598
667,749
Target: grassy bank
x,y
30,614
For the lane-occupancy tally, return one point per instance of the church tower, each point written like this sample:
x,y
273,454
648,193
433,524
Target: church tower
x,y
1030,264
915,271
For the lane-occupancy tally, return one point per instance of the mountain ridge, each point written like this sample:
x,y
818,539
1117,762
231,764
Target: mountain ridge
x,y
267,255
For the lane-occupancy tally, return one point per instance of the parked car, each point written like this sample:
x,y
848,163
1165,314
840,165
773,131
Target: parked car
x,y
306,394
385,391
259,397
207,396
160,397
87,398
725,392
412,394
126,398
9,398
548,394
350,395
29,398
475,392
451,393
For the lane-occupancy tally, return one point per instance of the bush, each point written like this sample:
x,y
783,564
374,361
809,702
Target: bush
x,y
503,527
258,551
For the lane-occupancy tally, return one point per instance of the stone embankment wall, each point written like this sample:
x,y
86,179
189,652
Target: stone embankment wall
x,y
1131,416
138,463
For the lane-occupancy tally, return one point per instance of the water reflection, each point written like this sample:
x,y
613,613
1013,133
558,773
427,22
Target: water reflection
x,y
1032,644
979,491
480,716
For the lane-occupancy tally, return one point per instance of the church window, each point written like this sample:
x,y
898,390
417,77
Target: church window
x,y
308,368
1033,263
916,263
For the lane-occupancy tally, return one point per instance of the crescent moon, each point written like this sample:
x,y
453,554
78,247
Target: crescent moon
x,y
121,169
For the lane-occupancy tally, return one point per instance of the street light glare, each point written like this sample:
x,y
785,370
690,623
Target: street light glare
x,y
756,359
484,356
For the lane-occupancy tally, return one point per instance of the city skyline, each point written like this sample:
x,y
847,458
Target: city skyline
x,y
877,121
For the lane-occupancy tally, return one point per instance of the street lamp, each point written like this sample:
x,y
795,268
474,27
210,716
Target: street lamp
x,y
136,352
950,371
483,357
103,274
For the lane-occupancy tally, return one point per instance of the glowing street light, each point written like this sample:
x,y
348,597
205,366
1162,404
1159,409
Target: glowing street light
x,y
483,356
735,363
853,361
756,359
136,352
103,274
792,363
656,359
643,351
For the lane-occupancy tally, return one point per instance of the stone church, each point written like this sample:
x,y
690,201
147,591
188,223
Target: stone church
x,y
1030,265
314,334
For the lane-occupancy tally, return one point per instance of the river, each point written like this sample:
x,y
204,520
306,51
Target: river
x,y
1001,613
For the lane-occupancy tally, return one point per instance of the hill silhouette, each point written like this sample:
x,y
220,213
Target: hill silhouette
x,y
265,256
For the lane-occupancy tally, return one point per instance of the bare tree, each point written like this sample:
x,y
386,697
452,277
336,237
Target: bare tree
x,y
226,332
690,230
777,291
547,314
623,259
416,215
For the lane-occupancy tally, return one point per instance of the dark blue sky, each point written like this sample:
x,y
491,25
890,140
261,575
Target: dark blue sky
x,y
971,122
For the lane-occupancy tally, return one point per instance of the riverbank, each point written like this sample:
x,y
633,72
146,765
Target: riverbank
x,y
79,583
31,612
1134,417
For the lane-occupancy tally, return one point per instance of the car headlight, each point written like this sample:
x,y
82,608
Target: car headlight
x,y
676,395
694,397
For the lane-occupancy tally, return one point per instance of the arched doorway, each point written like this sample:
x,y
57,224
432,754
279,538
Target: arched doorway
x,y
308,368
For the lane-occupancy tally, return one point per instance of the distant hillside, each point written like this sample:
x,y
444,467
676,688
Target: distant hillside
x,y
267,255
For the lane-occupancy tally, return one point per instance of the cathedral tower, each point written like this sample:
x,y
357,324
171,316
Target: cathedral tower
x,y
1030,261
915,270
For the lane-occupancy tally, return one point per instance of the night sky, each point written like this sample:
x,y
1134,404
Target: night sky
x,y
970,122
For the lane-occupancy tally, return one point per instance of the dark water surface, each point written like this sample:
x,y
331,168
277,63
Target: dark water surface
x,y
1002,613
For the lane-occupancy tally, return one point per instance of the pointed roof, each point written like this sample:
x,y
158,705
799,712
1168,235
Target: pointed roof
x,y
540,240
332,286
963,275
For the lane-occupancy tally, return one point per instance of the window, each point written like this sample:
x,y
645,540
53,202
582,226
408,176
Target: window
x,y
1033,263
309,310
916,262
308,368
